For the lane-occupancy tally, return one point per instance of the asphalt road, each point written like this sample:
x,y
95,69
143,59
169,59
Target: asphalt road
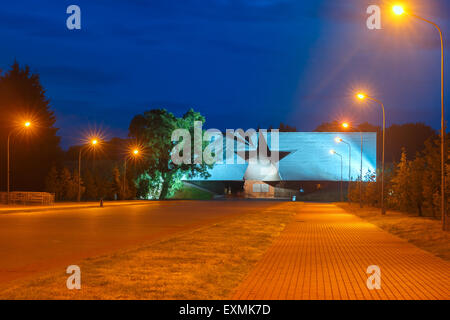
x,y
35,242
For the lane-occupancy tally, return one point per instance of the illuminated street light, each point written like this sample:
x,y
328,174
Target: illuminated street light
x,y
92,143
334,152
134,152
345,125
26,125
362,96
339,140
399,10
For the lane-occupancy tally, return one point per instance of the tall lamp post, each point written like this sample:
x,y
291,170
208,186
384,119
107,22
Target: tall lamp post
x,y
26,125
92,143
399,10
334,152
339,140
362,96
134,153
345,125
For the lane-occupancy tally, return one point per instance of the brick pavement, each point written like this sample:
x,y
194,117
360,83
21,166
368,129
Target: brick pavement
x,y
324,254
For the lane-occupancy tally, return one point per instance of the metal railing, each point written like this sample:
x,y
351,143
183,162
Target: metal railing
x,y
27,198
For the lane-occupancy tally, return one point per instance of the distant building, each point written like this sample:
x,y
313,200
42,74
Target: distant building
x,y
304,163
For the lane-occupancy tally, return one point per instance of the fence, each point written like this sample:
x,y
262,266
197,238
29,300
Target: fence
x,y
19,197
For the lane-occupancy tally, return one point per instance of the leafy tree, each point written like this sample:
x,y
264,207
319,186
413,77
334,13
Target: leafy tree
x,y
22,98
154,129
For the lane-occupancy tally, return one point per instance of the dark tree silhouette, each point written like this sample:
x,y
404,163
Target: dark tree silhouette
x,y
410,136
22,98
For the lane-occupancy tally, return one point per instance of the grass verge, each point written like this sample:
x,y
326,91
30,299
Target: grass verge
x,y
204,264
424,232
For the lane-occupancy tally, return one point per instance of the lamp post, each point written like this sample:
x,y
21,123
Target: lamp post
x,y
334,152
362,96
338,140
399,10
345,125
92,143
26,124
134,153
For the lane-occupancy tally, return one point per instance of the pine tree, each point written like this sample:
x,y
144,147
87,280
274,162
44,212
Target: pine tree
x,y
401,191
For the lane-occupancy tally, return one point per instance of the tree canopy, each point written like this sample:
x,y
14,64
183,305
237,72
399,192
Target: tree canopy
x,y
34,150
154,128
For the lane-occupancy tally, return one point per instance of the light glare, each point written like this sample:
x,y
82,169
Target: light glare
x,y
398,10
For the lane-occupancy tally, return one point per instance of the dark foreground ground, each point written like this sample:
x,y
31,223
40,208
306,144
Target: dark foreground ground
x,y
33,242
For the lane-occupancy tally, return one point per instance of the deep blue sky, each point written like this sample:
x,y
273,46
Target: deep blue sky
x,y
241,63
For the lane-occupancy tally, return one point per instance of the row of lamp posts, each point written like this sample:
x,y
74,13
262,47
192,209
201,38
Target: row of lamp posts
x,y
134,152
400,10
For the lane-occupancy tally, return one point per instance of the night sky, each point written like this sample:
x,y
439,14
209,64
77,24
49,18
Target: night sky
x,y
241,63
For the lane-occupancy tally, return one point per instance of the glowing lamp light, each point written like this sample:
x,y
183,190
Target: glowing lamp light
x,y
398,10
337,139
360,96
94,142
332,152
135,151
27,124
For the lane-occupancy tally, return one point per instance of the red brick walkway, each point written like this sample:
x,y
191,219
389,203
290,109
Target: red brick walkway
x,y
324,254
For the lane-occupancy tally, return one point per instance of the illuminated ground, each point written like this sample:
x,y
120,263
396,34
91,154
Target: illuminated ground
x,y
37,241
211,250
324,254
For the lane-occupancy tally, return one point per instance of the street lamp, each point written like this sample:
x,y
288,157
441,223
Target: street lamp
x,y
362,96
346,125
334,152
399,10
92,143
134,153
26,124
339,140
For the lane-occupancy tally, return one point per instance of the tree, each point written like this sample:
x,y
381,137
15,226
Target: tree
x,y
154,129
286,128
52,182
116,185
417,170
91,192
431,182
69,185
22,98
401,185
